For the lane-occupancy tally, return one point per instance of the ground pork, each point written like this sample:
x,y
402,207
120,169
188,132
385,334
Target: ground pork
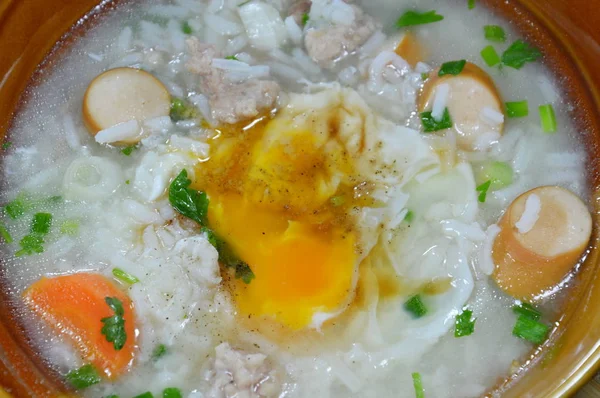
x,y
327,44
229,102
236,374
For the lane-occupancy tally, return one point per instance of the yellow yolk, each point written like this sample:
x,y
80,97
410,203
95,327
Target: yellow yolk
x,y
270,188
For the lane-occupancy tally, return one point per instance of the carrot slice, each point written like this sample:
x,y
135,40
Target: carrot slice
x,y
74,306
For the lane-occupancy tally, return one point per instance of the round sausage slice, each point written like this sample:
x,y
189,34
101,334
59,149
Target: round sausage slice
x,y
542,236
474,104
121,95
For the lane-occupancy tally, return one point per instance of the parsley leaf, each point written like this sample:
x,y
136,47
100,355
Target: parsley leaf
x,y
530,330
527,310
159,351
114,326
6,145
171,392
464,325
229,259
483,189
41,223
430,124
519,53
410,18
5,234
83,377
30,244
452,68
305,18
188,202
186,28
128,150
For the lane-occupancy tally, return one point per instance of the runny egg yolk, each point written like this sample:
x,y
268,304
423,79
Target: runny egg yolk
x,y
270,188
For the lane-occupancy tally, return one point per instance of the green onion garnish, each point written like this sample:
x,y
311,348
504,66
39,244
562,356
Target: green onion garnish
x,y
16,208
548,118
490,56
181,110
526,309
410,18
464,326
430,124
418,384
305,18
41,223
186,28
5,234
410,215
232,57
69,227
471,4
172,393
483,189
530,330
424,76
30,244
500,174
83,377
494,33
452,67
517,109
519,53
147,394
415,306
6,145
128,150
113,327
159,351
124,276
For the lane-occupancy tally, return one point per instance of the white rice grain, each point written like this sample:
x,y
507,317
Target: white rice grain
x,y
440,101
486,263
236,44
491,116
530,215
201,102
125,39
373,43
120,132
293,30
305,62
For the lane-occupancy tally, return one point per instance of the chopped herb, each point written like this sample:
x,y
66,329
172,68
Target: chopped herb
x,y
519,53
494,33
41,223
228,258
181,110
186,28
418,384
128,150
69,227
490,56
114,326
172,393
16,208
83,377
112,396
6,145
188,202
147,394
483,189
232,57
211,237
430,124
548,118
30,244
471,4
415,306
305,18
124,276
5,234
409,216
159,351
526,309
499,173
337,201
517,109
452,67
127,182
424,76
410,18
464,326
530,330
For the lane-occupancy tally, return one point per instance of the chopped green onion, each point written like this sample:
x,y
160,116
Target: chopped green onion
x,y
410,18
16,208
530,330
452,67
517,109
494,33
519,53
415,306
305,18
526,309
232,57
127,182
548,118
83,377
431,125
409,216
124,276
69,227
500,174
337,201
128,150
30,244
483,189
424,76
5,234
159,351
112,396
471,4
172,393
41,223
181,110
6,145
147,394
464,326
418,384
490,56
186,28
